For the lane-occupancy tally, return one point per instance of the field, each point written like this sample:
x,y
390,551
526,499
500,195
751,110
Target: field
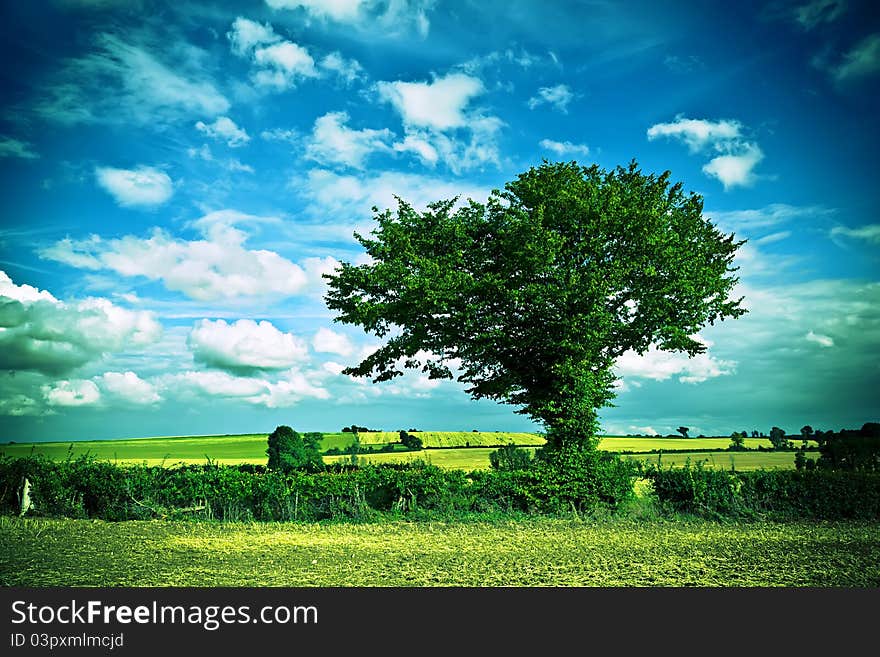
x,y
526,552
251,448
478,458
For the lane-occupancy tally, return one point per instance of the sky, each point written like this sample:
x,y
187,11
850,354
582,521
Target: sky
x,y
177,177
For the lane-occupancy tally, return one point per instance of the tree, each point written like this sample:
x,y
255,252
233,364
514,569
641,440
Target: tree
x,y
778,439
683,431
737,441
410,441
535,294
288,450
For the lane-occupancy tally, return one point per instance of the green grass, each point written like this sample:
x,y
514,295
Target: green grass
x,y
527,552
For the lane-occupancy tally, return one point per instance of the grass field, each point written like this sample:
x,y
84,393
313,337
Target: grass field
x,y
527,552
251,448
478,459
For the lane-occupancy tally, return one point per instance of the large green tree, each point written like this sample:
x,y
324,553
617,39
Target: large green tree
x,y
532,296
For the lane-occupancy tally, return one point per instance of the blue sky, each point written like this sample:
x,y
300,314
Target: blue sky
x,y
177,177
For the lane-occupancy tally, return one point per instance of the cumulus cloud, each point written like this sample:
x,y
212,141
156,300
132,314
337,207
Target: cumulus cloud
x,y
224,129
439,105
735,170
660,365
245,345
331,342
246,35
563,148
10,147
123,81
736,156
75,392
291,388
279,64
42,334
697,133
140,187
440,125
332,141
347,70
128,387
558,96
216,267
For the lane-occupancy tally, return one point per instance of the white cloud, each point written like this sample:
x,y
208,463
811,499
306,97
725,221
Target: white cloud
x,y
351,197
10,147
246,35
558,96
285,59
123,82
860,61
140,187
345,11
439,105
770,215
439,124
737,157
564,147
869,233
735,170
377,18
76,392
348,70
129,387
332,141
662,365
224,129
697,133
331,342
217,267
279,63
420,146
650,431
245,345
292,387
819,339
40,333
213,384
774,237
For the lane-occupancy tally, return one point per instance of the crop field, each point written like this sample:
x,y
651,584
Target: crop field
x,y
251,448
527,552
478,459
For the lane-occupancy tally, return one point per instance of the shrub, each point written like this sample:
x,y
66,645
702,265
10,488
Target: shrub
x,y
776,494
510,457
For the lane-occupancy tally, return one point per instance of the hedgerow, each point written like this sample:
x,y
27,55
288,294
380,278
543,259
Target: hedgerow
x,y
772,494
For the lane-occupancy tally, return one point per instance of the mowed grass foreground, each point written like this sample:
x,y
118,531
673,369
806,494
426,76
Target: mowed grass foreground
x,y
523,552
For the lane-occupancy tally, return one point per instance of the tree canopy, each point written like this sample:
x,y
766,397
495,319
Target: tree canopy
x,y
530,298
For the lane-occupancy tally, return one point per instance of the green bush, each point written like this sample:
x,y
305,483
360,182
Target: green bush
x,y
510,457
775,494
